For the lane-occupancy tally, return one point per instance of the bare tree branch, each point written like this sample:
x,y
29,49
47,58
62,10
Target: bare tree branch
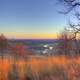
x,y
71,4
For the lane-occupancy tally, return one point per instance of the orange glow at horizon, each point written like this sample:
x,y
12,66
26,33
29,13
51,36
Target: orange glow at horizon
x,y
31,36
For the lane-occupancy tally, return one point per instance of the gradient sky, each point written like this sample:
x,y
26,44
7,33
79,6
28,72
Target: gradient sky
x,y
30,17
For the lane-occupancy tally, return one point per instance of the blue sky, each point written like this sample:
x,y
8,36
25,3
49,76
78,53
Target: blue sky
x,y
30,16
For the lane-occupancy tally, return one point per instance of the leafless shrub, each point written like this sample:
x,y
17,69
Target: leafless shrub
x,y
3,43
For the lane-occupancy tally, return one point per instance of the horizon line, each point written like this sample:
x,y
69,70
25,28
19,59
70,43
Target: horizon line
x,y
31,36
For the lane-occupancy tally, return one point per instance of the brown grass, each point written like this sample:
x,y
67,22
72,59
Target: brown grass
x,y
47,68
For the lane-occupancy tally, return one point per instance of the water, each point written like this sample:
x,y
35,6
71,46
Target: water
x,y
42,46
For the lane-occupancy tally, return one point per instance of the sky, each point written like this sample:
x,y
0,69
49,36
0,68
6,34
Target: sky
x,y
30,18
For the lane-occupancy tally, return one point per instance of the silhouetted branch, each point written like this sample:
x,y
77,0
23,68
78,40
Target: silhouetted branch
x,y
71,4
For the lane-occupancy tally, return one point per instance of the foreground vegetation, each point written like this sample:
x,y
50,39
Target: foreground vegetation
x,y
42,68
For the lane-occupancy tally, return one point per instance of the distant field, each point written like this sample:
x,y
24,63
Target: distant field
x,y
40,68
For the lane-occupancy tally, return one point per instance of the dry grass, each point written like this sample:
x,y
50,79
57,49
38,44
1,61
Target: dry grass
x,y
47,68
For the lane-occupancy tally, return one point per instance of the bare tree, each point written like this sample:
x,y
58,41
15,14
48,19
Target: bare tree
x,y
67,44
63,43
72,7
3,44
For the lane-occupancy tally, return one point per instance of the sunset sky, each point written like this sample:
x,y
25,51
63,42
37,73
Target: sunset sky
x,y
30,18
